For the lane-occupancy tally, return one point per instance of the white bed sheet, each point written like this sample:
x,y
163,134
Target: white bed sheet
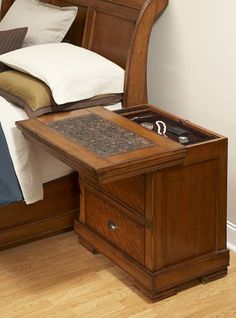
x,y
33,166
50,167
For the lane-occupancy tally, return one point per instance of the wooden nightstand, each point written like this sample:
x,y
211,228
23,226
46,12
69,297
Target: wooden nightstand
x,y
154,206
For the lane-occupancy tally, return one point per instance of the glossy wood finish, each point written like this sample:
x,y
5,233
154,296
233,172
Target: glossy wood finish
x,y
179,238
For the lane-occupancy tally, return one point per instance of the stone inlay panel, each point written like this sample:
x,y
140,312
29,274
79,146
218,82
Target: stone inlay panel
x,y
100,136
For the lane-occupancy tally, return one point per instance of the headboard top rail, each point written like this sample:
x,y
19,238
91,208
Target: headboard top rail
x,y
137,4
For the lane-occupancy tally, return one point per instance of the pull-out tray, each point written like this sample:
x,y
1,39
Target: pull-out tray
x,y
101,144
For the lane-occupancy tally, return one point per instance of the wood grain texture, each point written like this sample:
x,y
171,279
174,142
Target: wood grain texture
x,y
193,189
20,223
130,191
127,236
57,277
125,209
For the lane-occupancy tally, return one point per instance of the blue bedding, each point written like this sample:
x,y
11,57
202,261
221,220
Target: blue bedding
x,y
9,187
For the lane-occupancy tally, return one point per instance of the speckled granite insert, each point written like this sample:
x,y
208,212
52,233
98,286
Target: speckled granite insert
x,y
100,136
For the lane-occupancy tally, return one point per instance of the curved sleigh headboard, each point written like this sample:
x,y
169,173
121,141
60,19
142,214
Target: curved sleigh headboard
x,y
120,31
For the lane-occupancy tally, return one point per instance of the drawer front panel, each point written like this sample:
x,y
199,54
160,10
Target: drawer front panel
x,y
118,229
129,191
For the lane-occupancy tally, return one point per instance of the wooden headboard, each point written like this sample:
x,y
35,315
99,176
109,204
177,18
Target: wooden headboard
x,y
118,30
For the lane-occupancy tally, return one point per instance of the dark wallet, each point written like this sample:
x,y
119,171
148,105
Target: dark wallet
x,y
179,131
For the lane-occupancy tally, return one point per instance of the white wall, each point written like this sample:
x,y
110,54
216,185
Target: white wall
x,y
192,72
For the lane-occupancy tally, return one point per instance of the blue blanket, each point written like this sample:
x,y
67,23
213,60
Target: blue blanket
x,y
9,187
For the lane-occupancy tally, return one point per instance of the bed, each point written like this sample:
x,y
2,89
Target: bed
x,y
93,29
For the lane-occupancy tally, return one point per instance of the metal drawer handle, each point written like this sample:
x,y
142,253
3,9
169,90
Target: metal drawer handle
x,y
112,225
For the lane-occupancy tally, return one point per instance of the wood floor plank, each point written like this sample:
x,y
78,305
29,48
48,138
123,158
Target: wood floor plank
x,y
57,277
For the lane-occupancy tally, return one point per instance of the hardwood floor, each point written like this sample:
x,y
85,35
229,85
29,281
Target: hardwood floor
x,y
57,277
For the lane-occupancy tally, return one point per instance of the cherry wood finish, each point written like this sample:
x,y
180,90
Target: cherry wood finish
x,y
121,191
120,31
184,221
129,237
177,236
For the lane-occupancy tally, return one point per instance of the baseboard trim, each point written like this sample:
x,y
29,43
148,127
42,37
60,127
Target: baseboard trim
x,y
231,236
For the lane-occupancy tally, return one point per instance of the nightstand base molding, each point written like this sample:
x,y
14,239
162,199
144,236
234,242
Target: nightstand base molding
x,y
87,245
163,283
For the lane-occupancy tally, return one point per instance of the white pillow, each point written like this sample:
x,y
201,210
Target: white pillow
x,y
72,73
46,23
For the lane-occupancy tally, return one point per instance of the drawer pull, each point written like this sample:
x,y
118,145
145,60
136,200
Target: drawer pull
x,y
112,225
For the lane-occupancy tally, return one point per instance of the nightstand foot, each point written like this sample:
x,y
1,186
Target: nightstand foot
x,y
87,245
213,276
154,296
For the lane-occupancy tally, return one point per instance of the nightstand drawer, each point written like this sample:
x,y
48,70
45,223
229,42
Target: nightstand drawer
x,y
115,227
129,192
